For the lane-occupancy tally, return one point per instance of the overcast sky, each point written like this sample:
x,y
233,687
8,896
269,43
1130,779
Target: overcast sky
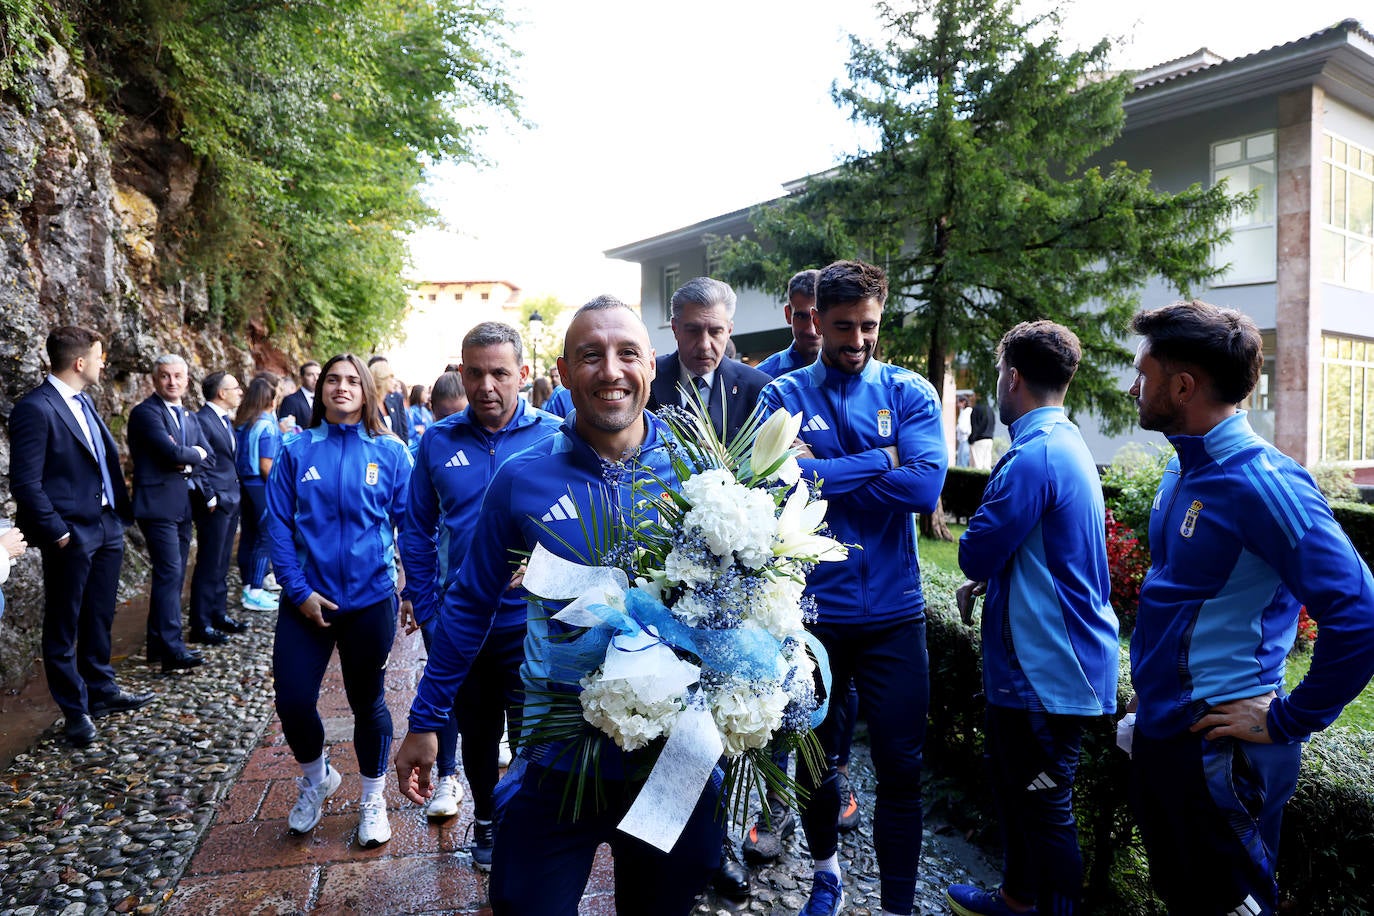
x,y
648,117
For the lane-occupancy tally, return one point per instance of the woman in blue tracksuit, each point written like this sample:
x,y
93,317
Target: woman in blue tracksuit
x,y
335,498
257,440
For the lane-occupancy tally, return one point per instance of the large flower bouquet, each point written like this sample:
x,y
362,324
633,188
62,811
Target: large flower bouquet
x,y
700,602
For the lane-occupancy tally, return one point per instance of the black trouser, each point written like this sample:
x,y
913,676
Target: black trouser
x,y
543,857
891,672
79,586
169,546
209,582
300,656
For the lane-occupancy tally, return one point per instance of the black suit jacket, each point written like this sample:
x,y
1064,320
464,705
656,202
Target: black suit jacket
x,y
161,452
297,406
53,471
217,477
737,384
400,418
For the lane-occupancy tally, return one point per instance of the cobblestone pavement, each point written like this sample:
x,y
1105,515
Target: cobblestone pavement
x,y
180,808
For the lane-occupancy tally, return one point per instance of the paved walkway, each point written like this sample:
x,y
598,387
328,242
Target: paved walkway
x,y
180,808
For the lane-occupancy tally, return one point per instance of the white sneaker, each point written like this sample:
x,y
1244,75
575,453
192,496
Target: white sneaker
x,y
373,827
503,754
269,583
444,801
259,599
310,803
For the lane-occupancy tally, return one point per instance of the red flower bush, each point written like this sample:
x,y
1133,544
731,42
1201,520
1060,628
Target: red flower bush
x,y
1307,631
1127,563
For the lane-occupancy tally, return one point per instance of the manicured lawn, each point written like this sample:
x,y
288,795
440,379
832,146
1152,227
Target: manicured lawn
x,y
1359,714
944,554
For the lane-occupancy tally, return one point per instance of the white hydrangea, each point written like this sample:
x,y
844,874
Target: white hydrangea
x,y
731,517
747,714
678,566
777,606
692,610
613,706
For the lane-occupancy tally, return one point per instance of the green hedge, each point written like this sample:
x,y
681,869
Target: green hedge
x,y
1358,521
1328,828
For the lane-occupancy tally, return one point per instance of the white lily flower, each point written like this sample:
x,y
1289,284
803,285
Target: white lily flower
x,y
797,523
774,440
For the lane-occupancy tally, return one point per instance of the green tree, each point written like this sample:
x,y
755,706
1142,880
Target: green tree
x,y
979,200
542,341
309,126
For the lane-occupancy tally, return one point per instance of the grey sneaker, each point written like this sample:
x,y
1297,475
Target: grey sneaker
x,y
373,827
310,803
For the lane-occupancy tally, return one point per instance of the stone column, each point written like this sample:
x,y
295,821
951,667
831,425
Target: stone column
x,y
1297,357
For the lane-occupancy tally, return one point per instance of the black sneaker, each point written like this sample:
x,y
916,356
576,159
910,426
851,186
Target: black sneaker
x,y
483,840
850,815
765,840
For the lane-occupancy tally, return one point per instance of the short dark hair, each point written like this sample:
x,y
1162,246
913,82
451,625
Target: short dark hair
x,y
845,282
493,334
68,342
210,385
374,359
803,283
1044,353
306,365
447,387
601,303
1222,344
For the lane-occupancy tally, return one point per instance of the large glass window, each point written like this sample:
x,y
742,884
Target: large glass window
x,y
672,279
1347,203
1347,399
1249,164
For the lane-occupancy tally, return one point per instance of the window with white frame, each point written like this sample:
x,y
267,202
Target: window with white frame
x,y
1249,164
1347,399
672,279
1347,200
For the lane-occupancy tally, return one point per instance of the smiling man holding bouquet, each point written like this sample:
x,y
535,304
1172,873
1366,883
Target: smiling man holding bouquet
x,y
872,433
565,494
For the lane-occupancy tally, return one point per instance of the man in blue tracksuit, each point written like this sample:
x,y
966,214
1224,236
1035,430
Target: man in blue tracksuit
x,y
1050,652
764,841
872,433
1240,539
563,493
456,460
800,314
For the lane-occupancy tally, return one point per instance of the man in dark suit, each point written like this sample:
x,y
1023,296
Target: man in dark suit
x,y
166,446
215,511
65,477
300,402
394,413
703,319
703,313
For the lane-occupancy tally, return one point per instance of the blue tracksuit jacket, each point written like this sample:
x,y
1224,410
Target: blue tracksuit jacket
x,y
559,403
782,362
1039,541
846,420
456,460
1240,537
560,483
334,497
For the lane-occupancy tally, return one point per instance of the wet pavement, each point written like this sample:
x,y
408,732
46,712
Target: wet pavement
x,y
180,808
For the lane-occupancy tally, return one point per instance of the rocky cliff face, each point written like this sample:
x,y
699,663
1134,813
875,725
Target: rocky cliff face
x,y
82,215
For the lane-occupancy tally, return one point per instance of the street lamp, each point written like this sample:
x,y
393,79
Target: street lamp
x,y
536,329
